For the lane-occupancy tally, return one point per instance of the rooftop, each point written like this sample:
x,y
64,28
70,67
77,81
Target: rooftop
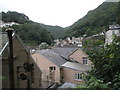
x,y
77,66
64,51
68,85
53,57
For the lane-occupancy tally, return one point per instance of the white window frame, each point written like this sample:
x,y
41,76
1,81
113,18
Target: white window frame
x,y
85,60
78,76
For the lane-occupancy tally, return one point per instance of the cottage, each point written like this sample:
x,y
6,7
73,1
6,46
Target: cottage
x,y
78,63
61,65
73,54
74,72
50,64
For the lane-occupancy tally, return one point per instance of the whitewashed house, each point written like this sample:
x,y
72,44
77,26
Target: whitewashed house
x,y
113,30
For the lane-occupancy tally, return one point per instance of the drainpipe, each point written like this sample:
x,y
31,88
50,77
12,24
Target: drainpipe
x,y
11,64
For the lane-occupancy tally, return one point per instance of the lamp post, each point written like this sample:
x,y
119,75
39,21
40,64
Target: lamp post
x,y
11,63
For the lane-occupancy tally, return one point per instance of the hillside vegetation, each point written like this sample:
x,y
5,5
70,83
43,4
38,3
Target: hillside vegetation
x,y
56,31
94,22
31,33
97,20
15,17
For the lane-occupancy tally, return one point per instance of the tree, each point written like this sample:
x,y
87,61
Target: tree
x,y
15,17
32,33
106,63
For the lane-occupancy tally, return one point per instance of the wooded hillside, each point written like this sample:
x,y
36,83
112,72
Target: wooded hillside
x,y
96,20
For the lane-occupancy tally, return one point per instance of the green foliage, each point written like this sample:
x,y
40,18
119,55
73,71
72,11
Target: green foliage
x,y
81,86
33,33
106,63
56,31
116,81
15,17
44,46
95,83
2,77
30,32
97,20
92,82
93,43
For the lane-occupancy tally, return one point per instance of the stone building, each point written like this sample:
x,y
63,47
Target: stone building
x,y
21,56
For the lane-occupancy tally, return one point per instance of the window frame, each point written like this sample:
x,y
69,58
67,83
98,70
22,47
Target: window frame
x,y
78,76
85,60
52,68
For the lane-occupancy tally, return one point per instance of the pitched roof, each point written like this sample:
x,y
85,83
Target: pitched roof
x,y
68,85
77,66
53,57
64,52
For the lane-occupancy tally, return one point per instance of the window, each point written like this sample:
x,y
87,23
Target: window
x,y
52,68
85,59
78,76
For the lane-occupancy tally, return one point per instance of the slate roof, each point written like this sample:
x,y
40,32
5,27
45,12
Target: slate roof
x,y
77,66
68,85
64,52
53,57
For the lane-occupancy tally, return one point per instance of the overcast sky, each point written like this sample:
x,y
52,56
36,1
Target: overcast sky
x,y
51,12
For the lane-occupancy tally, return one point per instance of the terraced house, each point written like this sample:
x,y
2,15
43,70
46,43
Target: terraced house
x,y
60,65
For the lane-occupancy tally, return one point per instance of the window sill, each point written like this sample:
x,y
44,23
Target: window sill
x,y
78,79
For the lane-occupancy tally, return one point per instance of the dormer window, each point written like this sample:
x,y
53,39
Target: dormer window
x,y
85,60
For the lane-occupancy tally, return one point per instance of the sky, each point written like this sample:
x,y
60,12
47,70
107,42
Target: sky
x,y
51,12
